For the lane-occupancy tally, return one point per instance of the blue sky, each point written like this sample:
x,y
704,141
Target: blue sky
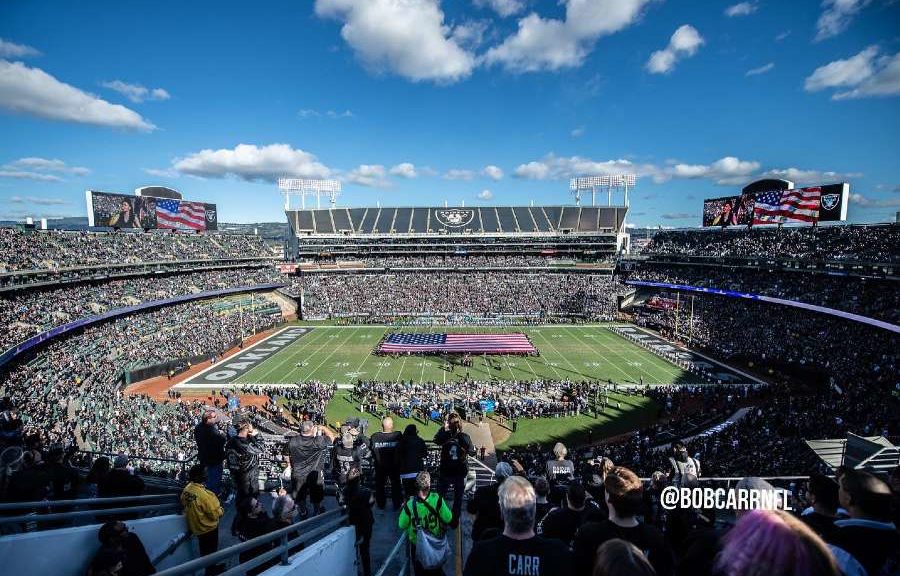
x,y
414,102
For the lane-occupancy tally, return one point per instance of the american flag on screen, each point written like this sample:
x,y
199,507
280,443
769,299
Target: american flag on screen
x,y
781,206
401,342
180,215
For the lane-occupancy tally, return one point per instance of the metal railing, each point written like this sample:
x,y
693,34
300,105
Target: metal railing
x,y
400,550
281,540
110,507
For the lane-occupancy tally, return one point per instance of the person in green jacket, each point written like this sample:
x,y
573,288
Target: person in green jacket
x,y
434,516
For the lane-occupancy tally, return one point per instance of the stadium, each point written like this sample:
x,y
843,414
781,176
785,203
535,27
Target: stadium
x,y
261,363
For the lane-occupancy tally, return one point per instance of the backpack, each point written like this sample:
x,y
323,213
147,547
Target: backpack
x,y
453,457
689,466
431,551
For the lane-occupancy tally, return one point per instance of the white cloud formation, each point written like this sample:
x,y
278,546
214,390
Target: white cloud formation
x,y
161,173
485,195
38,200
551,44
726,171
684,43
333,114
27,175
404,170
32,91
405,37
866,75
577,132
741,9
12,50
135,92
492,172
503,8
801,176
836,17
459,174
867,202
47,165
761,70
250,162
371,175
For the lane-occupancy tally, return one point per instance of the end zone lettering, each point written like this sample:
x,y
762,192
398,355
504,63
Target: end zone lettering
x,y
243,362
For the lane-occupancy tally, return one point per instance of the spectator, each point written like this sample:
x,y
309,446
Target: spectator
x,y
456,446
681,464
306,455
426,510
412,458
98,472
283,509
121,481
202,511
115,536
776,544
542,506
253,522
624,496
518,550
242,452
384,448
869,535
823,499
359,502
564,521
621,558
211,449
485,505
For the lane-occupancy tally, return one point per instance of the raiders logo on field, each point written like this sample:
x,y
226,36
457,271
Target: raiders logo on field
x,y
454,217
829,201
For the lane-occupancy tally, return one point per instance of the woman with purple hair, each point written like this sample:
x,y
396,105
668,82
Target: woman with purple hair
x,y
774,543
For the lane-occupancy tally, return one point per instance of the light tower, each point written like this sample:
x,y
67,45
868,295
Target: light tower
x,y
607,181
304,187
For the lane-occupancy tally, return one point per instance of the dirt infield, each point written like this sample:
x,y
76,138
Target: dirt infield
x,y
157,387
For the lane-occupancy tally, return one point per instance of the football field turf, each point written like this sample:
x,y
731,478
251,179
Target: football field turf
x,y
345,354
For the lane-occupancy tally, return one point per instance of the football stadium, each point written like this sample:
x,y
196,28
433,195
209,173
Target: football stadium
x,y
259,360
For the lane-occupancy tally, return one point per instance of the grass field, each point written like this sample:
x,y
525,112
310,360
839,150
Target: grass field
x,y
344,354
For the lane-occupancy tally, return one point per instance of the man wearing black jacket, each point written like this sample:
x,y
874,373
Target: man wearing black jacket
x,y
456,447
412,452
384,447
211,450
242,453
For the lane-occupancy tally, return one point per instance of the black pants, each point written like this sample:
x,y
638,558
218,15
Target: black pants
x,y
208,544
307,484
381,475
246,484
459,485
365,557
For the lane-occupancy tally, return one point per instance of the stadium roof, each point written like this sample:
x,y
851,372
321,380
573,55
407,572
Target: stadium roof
x,y
477,220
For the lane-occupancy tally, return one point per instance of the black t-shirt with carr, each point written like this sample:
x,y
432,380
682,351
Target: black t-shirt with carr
x,y
503,556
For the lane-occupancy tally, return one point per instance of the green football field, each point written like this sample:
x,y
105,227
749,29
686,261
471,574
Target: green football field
x,y
345,354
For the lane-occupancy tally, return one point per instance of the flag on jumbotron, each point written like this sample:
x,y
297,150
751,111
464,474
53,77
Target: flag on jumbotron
x,y
180,215
402,342
781,206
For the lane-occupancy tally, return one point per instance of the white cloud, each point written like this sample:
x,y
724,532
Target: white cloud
x,y
550,44
503,8
866,202
333,114
404,170
533,171
47,165
485,195
684,43
39,200
837,16
552,167
135,92
372,175
250,162
741,9
26,175
761,70
867,75
12,50
405,37
726,171
577,132
458,174
32,91
782,35
801,176
492,172
166,173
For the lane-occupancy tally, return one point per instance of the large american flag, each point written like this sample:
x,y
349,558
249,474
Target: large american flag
x,y
180,215
401,342
780,206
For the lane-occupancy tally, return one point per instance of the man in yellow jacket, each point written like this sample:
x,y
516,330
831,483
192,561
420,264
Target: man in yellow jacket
x,y
202,511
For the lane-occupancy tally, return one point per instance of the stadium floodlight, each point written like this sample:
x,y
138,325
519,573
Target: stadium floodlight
x,y
608,181
304,187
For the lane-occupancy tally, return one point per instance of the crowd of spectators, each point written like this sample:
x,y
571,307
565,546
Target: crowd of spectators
x,y
34,250
455,261
860,243
25,313
475,293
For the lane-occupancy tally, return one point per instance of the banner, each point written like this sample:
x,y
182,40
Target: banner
x,y
826,203
109,210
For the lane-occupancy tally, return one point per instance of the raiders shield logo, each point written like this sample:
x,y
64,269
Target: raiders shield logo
x,y
210,215
454,217
829,201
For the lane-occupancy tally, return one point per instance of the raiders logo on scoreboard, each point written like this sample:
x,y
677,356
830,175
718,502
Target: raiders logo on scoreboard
x,y
454,217
210,215
829,201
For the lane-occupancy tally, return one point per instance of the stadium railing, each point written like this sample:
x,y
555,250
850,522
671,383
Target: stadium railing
x,y
28,512
398,554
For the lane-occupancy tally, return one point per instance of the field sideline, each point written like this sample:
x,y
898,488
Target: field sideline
x,y
344,355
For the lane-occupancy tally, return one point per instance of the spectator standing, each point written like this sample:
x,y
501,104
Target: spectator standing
x,y
386,456
563,522
120,481
621,558
242,452
202,510
429,511
99,469
306,457
412,451
211,449
456,446
518,550
680,464
359,500
823,499
485,505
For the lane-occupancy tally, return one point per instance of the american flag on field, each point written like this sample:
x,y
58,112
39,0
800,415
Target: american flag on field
x,y
180,215
780,206
401,342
